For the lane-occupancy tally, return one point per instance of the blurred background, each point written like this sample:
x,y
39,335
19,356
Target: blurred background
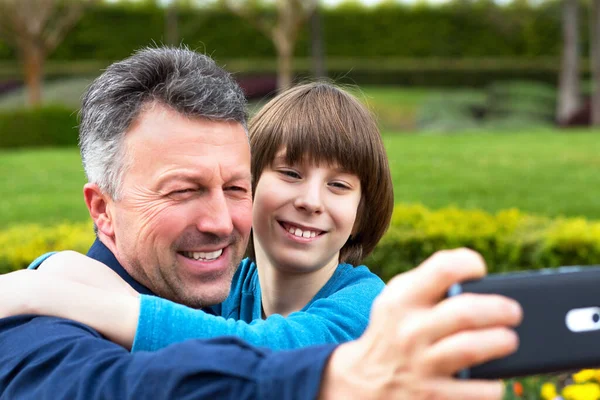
x,y
489,111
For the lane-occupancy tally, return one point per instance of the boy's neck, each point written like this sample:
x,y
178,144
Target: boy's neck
x,y
284,293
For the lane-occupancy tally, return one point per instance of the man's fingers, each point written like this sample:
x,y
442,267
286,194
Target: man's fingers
x,y
453,389
467,349
430,281
472,311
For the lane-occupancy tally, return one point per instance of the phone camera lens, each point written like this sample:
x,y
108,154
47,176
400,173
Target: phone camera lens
x,y
596,317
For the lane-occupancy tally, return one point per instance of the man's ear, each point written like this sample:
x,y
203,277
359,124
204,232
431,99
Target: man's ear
x,y
97,203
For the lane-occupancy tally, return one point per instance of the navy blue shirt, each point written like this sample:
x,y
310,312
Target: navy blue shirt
x,y
54,358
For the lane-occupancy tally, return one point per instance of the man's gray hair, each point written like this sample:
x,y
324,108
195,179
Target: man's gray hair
x,y
188,82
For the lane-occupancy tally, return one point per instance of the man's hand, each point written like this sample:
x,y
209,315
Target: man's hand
x,y
417,340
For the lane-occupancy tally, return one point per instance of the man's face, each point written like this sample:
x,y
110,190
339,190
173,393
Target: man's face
x,y
183,221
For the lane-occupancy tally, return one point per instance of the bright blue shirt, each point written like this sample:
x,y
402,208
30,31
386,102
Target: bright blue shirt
x,y
339,312
54,358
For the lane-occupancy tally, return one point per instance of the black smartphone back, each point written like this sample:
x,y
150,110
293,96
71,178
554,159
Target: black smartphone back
x,y
561,320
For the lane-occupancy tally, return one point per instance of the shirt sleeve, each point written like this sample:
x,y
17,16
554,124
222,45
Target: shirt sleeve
x,y
52,358
338,318
38,261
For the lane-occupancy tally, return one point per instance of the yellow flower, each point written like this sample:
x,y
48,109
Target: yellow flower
x,y
584,391
548,391
585,375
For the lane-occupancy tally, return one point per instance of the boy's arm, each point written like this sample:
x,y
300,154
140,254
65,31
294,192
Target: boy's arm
x,y
83,269
338,318
112,313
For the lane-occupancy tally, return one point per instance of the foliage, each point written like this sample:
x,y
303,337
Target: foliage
x,y
509,240
22,244
38,127
526,37
506,105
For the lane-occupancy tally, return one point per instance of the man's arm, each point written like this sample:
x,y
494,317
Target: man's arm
x,y
415,343
50,358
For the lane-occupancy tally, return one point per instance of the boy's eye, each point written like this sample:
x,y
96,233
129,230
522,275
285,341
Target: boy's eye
x,y
339,185
290,173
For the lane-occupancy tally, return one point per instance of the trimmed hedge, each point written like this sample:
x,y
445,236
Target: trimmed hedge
x,y
48,126
364,45
19,245
509,240
480,29
423,72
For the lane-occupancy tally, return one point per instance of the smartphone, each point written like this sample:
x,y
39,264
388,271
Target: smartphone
x,y
560,330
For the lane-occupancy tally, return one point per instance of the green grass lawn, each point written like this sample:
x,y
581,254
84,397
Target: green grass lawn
x,y
42,186
547,172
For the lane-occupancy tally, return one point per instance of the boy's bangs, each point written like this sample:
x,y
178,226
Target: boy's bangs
x,y
324,133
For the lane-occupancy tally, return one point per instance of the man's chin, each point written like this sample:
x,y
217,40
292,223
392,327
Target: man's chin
x,y
199,298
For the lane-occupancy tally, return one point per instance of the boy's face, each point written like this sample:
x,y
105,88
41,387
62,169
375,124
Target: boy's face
x,y
303,214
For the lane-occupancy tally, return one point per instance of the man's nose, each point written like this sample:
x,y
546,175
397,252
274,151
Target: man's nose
x,y
309,198
215,217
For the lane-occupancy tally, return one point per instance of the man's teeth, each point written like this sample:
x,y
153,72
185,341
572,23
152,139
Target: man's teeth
x,y
300,233
199,255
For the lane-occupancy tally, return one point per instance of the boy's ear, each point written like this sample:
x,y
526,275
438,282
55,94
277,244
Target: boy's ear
x,y
98,204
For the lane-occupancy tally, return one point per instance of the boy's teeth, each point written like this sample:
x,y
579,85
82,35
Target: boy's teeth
x,y
200,255
300,233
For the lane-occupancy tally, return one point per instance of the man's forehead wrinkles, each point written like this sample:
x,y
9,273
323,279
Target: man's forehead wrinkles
x,y
205,174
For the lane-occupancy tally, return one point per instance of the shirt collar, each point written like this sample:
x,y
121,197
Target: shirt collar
x,y
101,253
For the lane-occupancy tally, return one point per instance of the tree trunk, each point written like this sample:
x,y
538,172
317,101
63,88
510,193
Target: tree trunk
x,y
171,26
33,63
285,58
316,45
568,96
595,61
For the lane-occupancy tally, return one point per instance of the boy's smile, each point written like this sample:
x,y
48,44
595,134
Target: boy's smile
x,y
304,214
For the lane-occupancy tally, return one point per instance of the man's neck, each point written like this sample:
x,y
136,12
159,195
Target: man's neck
x,y
101,252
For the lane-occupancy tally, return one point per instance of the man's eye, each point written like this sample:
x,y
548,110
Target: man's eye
x,y
182,191
237,189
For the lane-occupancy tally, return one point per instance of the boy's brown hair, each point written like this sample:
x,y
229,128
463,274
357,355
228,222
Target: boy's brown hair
x,y
321,123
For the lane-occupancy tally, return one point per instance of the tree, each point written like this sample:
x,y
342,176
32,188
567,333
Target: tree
x,y
316,44
35,28
595,61
283,29
568,91
171,24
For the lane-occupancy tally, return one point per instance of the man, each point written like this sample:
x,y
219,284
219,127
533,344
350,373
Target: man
x,y
164,147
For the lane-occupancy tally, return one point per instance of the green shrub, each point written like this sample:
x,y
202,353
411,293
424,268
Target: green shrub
x,y
48,126
445,31
20,245
509,240
450,113
483,31
533,100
